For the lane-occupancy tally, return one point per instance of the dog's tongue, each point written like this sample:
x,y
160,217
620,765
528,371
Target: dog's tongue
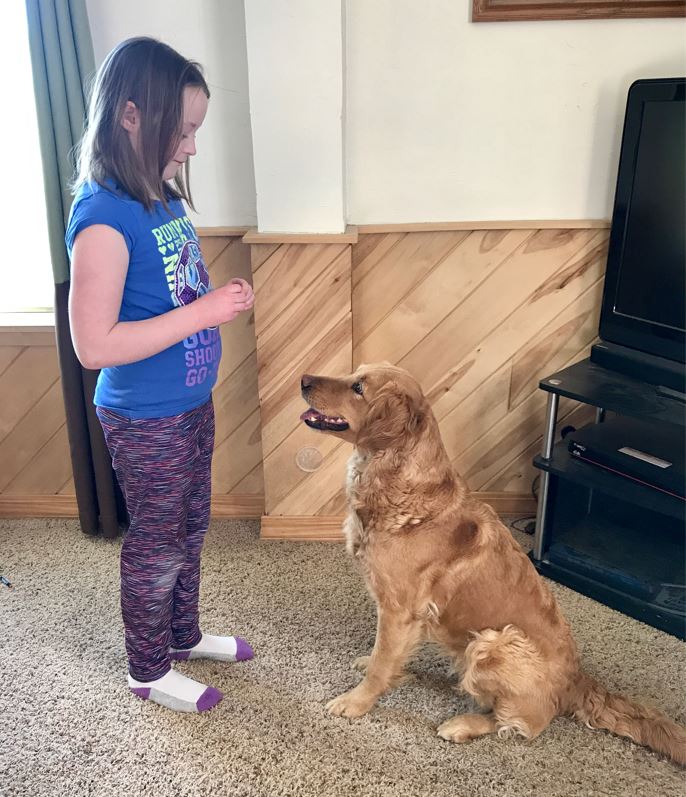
x,y
311,415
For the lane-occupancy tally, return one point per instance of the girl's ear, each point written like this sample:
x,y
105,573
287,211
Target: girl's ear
x,y
131,117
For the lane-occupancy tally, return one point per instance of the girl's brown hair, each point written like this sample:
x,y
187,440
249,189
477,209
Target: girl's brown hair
x,y
153,77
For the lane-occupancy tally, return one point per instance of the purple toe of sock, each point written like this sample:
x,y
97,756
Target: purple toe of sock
x,y
243,650
209,699
143,692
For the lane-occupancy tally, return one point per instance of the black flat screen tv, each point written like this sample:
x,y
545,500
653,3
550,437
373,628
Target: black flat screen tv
x,y
644,297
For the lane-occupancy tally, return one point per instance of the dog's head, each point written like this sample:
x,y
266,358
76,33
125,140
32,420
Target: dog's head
x,y
377,407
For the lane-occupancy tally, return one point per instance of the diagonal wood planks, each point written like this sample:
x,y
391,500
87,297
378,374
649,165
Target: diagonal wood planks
x,y
479,316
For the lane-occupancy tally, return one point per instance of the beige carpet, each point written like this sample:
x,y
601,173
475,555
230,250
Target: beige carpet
x,y
68,725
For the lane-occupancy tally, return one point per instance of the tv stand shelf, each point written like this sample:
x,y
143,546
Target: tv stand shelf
x,y
614,539
592,384
564,465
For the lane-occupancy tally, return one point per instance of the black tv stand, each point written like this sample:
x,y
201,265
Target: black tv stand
x,y
641,366
667,392
611,538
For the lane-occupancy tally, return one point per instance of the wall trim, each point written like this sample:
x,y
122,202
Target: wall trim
x,y
36,506
523,224
217,232
27,335
328,528
347,237
250,235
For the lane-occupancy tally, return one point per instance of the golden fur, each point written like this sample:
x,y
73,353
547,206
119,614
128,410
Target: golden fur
x,y
441,566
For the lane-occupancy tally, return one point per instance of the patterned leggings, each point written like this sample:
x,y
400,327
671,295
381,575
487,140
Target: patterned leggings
x,y
163,466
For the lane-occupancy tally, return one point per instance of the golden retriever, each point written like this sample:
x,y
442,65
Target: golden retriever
x,y
441,566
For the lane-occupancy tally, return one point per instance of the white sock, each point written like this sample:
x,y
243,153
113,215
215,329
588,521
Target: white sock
x,y
177,692
221,648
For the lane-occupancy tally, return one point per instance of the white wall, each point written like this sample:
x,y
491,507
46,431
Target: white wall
x,y
449,120
295,67
446,120
211,32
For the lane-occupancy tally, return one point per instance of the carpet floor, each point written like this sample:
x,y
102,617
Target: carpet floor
x,y
69,726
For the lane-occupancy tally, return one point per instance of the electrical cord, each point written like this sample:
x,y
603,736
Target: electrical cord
x,y
529,527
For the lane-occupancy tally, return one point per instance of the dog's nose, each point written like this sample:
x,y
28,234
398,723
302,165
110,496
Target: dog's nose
x,y
306,382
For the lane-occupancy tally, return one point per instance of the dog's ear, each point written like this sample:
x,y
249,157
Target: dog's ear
x,y
393,416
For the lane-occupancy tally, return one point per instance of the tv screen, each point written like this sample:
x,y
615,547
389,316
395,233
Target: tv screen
x,y
644,302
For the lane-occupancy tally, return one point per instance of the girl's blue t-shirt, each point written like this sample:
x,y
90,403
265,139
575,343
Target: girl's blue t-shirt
x,y
166,270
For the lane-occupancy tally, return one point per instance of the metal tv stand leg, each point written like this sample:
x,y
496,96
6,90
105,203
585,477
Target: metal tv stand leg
x,y
548,440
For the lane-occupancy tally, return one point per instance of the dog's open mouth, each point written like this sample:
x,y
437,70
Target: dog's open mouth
x,y
325,423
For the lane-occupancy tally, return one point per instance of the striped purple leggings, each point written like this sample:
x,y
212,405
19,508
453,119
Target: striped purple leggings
x,y
163,466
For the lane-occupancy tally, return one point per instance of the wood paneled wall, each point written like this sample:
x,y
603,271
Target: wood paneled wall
x,y
479,316
303,323
34,451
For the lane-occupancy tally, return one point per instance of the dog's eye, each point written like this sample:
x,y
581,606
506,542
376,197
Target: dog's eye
x,y
357,387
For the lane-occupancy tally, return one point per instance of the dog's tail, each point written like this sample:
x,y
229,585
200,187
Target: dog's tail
x,y
598,708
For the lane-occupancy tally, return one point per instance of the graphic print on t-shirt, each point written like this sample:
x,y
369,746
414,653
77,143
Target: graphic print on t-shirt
x,y
191,279
188,279
184,267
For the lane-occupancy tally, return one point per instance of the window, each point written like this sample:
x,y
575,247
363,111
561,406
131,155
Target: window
x,y
27,278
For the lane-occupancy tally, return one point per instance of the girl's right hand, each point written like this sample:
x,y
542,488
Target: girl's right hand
x,y
225,303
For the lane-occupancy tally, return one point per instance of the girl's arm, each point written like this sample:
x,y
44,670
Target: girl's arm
x,y
98,271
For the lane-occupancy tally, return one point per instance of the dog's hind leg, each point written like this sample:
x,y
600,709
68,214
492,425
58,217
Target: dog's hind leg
x,y
465,727
397,636
505,672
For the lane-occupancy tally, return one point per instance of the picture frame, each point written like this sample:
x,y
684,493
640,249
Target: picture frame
x,y
533,10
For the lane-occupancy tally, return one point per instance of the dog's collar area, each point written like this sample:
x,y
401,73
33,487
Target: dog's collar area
x,y
330,423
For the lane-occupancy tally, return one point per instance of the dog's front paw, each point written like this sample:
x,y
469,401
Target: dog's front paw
x,y
361,663
350,704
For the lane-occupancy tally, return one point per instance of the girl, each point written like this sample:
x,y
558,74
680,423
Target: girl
x,y
142,310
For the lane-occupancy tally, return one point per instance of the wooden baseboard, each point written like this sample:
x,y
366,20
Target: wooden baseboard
x,y
237,506
26,506
328,528
317,528
509,503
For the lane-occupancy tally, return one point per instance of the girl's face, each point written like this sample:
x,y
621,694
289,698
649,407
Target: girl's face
x,y
194,109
